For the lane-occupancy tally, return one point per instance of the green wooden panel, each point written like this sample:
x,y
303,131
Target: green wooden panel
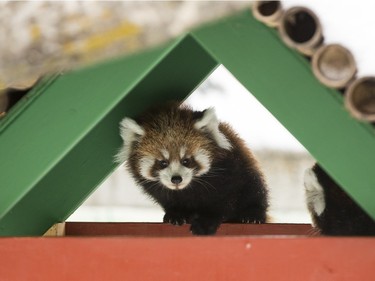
x,y
282,80
59,145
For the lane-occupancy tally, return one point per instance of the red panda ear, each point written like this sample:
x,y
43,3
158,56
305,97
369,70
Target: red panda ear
x,y
130,132
210,124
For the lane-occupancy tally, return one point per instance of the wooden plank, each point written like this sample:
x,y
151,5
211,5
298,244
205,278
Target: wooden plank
x,y
226,258
168,230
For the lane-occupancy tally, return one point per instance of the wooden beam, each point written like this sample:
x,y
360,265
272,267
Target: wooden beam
x,y
236,258
168,230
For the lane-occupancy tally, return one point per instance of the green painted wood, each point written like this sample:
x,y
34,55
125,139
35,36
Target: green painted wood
x,y
59,144
282,80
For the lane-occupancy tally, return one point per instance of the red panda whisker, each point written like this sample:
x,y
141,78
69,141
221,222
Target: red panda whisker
x,y
204,183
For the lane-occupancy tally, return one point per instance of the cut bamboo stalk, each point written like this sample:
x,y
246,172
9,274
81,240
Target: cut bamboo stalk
x,y
300,28
334,66
268,12
360,98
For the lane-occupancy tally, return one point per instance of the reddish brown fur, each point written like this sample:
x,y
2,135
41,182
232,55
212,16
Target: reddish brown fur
x,y
168,127
232,190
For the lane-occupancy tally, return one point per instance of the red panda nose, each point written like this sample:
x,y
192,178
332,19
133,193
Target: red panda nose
x,y
176,179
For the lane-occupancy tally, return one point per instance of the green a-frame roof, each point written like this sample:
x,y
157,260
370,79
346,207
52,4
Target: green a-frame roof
x,y
57,145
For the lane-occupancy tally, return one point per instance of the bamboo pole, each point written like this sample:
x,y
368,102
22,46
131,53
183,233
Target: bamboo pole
x,y
334,66
360,98
300,28
268,12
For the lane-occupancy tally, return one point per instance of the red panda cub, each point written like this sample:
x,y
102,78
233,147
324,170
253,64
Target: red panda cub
x,y
332,211
195,167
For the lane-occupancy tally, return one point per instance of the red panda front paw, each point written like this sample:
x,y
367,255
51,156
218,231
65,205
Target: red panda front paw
x,y
205,226
247,219
174,218
251,220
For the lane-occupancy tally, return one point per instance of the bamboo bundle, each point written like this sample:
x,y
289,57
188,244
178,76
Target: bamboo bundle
x,y
360,98
300,29
268,12
334,66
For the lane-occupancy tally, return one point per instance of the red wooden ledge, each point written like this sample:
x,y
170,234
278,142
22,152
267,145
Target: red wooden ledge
x,y
165,256
161,229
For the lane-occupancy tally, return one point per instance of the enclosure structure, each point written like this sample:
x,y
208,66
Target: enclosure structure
x,y
58,144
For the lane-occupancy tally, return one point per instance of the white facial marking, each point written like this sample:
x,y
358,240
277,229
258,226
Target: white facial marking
x,y
203,158
314,192
165,153
130,131
145,166
210,123
175,169
182,152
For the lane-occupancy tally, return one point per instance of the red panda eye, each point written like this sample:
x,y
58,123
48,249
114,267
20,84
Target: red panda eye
x,y
186,162
163,164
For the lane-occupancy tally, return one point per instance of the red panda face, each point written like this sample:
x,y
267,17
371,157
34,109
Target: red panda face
x,y
175,168
173,147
